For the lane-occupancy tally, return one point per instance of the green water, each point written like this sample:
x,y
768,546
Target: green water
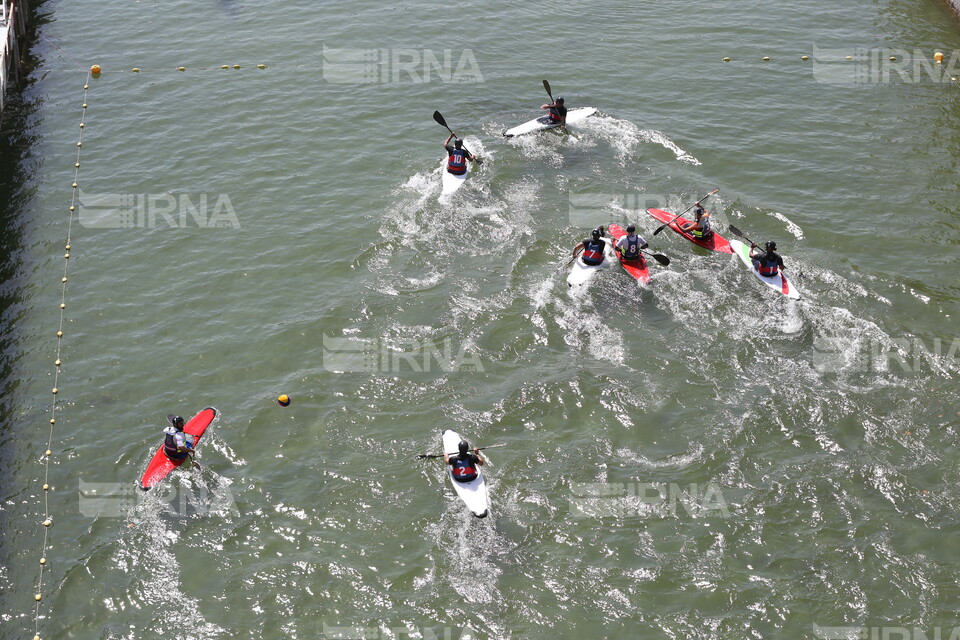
x,y
693,458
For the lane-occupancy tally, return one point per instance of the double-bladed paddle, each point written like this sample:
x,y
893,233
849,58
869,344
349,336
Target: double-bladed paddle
x,y
439,118
430,456
663,226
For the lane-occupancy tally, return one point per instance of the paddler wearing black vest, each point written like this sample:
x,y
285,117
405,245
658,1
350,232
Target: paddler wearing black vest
x,y
558,113
767,263
700,227
176,444
631,244
457,156
594,248
464,463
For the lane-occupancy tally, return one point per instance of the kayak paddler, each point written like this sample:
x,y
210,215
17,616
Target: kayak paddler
x,y
629,246
176,444
767,263
457,156
594,248
464,463
700,228
557,115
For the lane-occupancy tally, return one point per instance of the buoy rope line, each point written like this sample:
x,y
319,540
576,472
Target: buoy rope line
x,y
47,518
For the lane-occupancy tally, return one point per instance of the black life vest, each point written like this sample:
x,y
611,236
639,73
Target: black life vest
x,y
632,250
555,113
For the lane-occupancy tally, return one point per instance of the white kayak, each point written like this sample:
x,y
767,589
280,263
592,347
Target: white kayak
x,y
473,493
542,123
451,182
777,283
581,272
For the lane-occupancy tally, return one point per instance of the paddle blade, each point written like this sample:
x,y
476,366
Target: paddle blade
x,y
546,85
439,119
736,231
662,259
659,229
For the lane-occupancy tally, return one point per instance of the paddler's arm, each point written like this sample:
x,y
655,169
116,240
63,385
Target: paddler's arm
x,y
480,459
577,249
447,141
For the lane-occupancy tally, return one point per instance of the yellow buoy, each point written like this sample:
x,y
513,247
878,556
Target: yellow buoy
x,y
893,58
38,597
54,389
59,334
726,59
181,68
46,487
766,58
849,58
236,66
43,561
95,69
47,523
67,247
135,69
56,362
938,56
48,453
261,66
224,66
804,57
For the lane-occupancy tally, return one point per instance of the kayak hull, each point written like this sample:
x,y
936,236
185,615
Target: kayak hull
x,y
638,269
573,116
160,465
715,243
581,273
450,182
778,282
473,493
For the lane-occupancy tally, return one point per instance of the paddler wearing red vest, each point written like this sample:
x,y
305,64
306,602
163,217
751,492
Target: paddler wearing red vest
x,y
594,248
465,463
767,263
558,113
457,156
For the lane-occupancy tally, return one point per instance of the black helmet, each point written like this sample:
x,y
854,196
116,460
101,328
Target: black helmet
x,y
698,211
596,233
458,143
631,228
771,245
176,421
559,100
464,446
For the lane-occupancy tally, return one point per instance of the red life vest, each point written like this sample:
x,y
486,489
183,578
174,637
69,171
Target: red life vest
x,y
457,162
593,252
463,470
767,267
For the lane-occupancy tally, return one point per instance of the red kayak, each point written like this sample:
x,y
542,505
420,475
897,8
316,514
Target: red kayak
x,y
636,268
161,465
715,243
